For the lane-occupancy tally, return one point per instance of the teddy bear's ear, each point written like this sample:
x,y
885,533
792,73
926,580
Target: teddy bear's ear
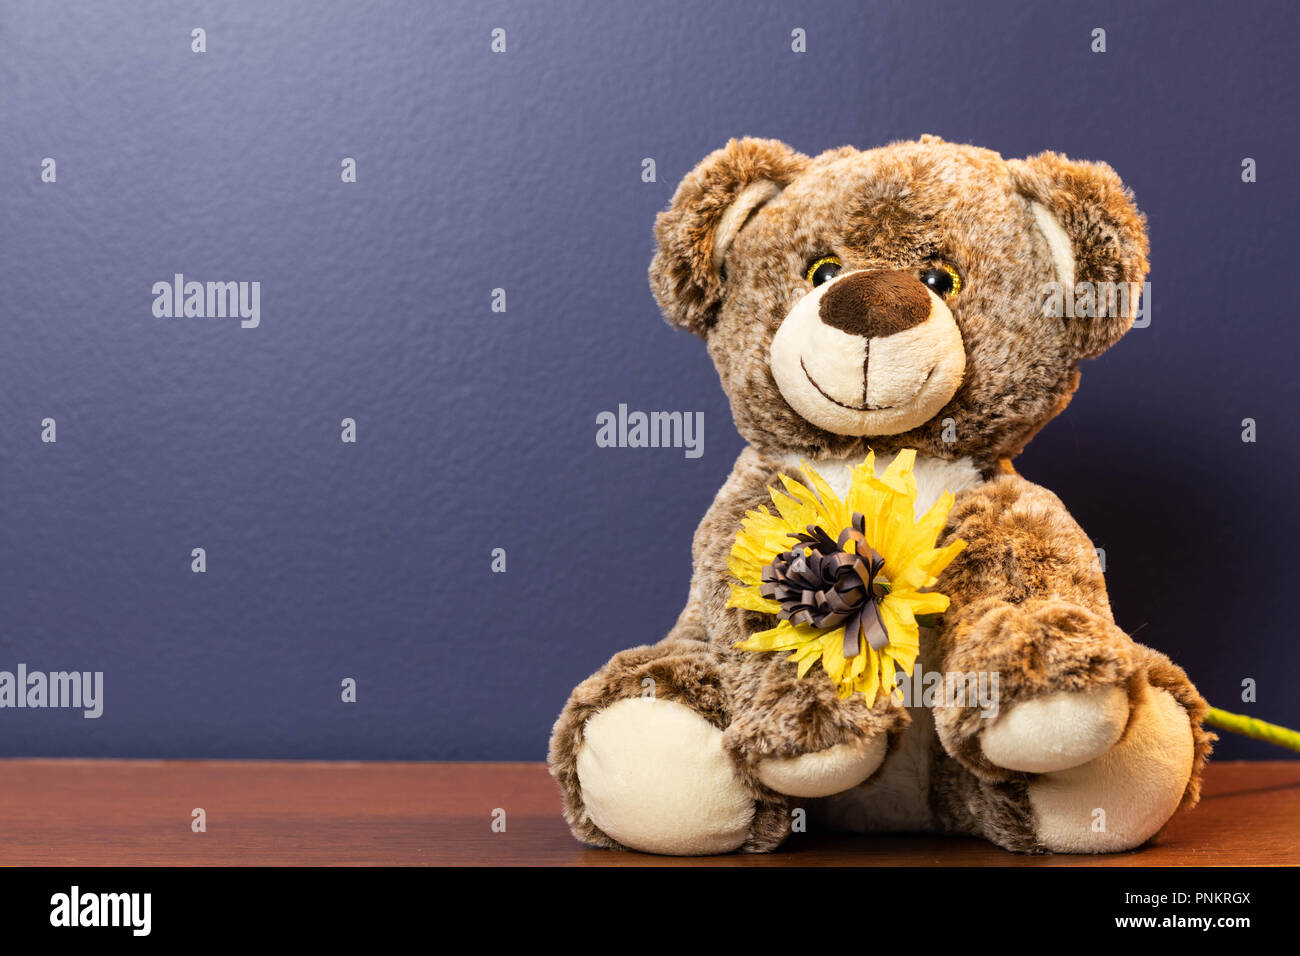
x,y
1096,235
707,212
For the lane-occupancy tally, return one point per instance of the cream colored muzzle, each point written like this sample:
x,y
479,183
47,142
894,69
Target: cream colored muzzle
x,y
854,385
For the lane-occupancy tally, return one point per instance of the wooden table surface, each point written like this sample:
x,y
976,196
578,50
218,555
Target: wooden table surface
x,y
136,812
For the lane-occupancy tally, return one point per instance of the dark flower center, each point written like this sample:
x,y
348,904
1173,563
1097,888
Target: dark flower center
x,y
830,586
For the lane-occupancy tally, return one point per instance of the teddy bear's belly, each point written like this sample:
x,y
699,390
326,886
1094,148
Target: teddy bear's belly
x,y
897,799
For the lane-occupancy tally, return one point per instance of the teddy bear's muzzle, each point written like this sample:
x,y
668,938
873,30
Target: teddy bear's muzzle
x,y
869,353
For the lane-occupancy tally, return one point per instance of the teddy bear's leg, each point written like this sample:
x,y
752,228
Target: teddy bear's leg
x,y
1114,802
1096,769
638,753
1122,798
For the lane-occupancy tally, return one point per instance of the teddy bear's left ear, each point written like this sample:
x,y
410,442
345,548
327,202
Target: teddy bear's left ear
x,y
1096,235
707,212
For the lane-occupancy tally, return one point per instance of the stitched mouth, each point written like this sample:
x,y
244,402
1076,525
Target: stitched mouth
x,y
864,407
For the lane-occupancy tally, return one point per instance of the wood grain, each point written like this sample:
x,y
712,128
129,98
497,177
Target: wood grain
x,y
131,812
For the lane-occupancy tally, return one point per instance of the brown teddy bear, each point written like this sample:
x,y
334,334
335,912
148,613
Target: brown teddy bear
x,y
906,297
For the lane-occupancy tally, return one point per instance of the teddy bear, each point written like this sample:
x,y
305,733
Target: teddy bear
x,y
882,300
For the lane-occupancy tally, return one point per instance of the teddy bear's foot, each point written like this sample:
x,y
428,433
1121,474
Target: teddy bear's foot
x,y
655,777
1099,740
638,753
1122,798
1114,802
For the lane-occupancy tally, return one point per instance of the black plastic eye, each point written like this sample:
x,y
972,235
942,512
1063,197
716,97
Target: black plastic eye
x,y
823,269
943,280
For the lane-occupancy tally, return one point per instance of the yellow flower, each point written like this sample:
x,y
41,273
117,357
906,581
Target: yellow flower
x,y
844,576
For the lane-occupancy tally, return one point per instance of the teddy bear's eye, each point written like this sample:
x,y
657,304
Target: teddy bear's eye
x,y
943,280
823,269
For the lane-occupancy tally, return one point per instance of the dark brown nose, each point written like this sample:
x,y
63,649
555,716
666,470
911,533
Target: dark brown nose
x,y
872,304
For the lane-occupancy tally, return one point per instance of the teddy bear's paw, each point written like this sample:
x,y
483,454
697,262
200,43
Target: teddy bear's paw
x,y
1057,731
1122,798
825,772
655,777
1056,672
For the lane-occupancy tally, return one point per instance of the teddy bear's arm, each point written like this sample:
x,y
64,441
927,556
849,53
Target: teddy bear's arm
x,y
795,735
1029,603
1022,543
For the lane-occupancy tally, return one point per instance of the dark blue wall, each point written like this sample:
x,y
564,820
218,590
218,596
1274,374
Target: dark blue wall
x,y
476,429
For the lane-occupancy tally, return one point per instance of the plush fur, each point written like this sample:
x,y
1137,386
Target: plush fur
x,y
1107,734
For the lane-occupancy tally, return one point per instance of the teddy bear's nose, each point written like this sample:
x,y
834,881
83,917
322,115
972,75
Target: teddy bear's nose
x,y
875,304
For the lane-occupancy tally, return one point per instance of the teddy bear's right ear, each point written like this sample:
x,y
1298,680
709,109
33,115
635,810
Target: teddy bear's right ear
x,y
707,212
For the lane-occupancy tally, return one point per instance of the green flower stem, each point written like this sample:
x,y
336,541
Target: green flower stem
x,y
1255,729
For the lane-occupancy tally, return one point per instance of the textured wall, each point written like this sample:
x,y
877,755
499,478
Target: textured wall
x,y
476,429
